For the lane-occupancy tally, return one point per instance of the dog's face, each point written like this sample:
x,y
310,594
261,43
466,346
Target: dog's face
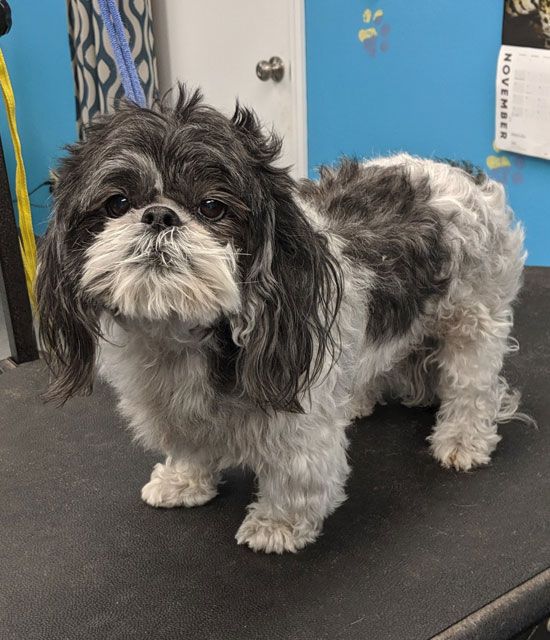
x,y
155,257
179,216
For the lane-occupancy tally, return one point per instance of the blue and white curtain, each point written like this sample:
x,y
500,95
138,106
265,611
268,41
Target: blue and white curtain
x,y
97,82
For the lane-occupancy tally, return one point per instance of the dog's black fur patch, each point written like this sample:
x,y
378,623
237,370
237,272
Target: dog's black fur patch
x,y
387,224
476,173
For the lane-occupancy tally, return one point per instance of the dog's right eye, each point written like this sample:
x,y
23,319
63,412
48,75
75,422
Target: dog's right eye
x,y
117,205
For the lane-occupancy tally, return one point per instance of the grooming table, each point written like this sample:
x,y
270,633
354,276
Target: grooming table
x,y
415,551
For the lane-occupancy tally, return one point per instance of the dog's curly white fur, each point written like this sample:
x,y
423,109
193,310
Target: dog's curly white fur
x,y
255,338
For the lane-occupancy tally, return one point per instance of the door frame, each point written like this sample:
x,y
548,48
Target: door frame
x,y
299,78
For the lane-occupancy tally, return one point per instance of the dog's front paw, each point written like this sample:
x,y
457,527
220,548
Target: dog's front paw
x,y
272,535
175,486
463,454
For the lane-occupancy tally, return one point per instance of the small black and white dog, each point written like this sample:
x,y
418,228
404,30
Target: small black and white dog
x,y
245,319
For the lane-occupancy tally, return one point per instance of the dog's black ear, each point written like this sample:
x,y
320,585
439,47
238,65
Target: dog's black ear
x,y
291,285
68,325
290,296
187,102
264,147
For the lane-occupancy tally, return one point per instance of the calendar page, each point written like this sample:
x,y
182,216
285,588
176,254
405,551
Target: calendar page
x,y
523,101
522,122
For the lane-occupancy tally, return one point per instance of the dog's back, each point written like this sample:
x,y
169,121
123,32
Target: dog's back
x,y
425,230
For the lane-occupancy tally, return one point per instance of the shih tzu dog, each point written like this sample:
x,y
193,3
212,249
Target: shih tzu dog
x,y
246,319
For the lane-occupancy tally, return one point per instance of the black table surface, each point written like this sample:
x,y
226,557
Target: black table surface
x,y
414,552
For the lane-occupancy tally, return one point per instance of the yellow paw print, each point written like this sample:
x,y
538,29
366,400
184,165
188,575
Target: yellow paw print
x,y
371,32
504,168
497,162
374,36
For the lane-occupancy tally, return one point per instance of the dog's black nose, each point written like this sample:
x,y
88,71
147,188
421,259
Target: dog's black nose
x,y
160,218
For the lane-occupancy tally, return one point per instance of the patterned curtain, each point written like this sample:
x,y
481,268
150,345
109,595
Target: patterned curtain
x,y
97,83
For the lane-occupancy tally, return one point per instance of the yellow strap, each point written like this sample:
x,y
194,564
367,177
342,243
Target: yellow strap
x,y
27,242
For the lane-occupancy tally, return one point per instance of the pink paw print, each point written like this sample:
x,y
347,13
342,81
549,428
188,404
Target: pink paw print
x,y
374,35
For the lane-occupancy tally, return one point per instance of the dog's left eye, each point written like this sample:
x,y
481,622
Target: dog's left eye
x,y
212,210
117,205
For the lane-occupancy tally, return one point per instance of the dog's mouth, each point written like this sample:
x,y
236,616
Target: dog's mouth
x,y
156,250
158,259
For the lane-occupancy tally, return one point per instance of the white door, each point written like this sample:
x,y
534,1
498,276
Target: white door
x,y
217,44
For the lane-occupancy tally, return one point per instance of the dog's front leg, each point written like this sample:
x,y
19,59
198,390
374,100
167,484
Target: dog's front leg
x,y
299,486
181,482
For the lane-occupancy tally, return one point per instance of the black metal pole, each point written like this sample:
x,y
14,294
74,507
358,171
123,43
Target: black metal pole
x,y
13,289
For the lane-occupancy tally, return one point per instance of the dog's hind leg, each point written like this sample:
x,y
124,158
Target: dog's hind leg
x,y
413,381
474,396
364,400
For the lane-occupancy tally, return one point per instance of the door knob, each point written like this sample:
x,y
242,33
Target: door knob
x,y
273,68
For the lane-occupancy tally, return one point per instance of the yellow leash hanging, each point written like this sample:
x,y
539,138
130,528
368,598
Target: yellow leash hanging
x,y
27,241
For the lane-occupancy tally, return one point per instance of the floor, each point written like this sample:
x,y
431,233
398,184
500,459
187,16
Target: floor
x,y
415,549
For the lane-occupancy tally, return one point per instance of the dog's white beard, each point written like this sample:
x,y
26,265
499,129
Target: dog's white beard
x,y
181,271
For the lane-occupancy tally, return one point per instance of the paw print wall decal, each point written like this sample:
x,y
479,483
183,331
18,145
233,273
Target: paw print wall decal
x,y
374,35
507,169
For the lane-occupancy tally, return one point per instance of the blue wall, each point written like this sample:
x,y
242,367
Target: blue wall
x,y
424,84
37,54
